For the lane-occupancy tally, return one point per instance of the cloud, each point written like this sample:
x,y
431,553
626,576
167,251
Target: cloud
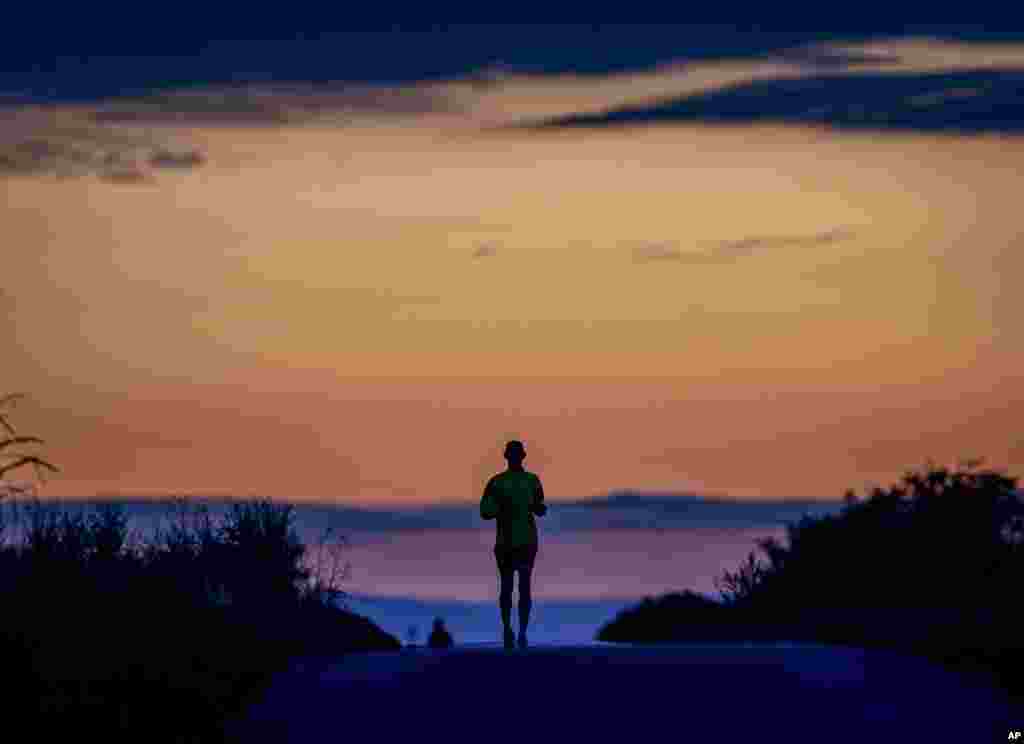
x,y
128,175
485,250
112,139
727,251
275,104
657,252
817,55
41,142
167,158
746,246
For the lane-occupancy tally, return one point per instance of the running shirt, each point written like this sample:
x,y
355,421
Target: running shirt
x,y
511,496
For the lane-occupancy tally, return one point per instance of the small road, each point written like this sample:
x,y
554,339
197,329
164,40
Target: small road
x,y
610,692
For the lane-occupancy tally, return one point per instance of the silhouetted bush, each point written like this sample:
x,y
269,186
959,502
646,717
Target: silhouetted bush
x,y
660,619
937,538
111,632
932,564
112,635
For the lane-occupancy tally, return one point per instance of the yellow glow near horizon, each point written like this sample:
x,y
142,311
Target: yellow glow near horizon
x,y
307,315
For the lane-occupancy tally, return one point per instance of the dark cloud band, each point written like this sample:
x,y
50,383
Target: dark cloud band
x,y
728,251
48,147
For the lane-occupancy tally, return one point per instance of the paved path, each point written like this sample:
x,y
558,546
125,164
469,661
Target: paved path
x,y
611,692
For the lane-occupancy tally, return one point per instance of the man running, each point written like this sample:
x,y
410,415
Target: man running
x,y
513,497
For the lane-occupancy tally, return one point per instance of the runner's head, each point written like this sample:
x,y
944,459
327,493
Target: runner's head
x,y
515,452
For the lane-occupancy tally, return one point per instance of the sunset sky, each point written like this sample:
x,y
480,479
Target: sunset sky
x,y
355,292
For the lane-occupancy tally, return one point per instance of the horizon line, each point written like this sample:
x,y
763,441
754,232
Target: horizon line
x,y
219,496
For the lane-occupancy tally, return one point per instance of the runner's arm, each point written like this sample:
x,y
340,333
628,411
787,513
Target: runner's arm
x,y
489,501
538,506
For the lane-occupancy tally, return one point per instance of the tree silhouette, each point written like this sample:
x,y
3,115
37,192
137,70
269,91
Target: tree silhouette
x,y
12,455
937,538
932,564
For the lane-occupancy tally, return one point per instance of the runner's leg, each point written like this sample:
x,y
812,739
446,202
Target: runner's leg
x,y
507,574
525,597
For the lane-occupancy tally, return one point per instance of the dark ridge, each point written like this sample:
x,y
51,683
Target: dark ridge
x,y
969,102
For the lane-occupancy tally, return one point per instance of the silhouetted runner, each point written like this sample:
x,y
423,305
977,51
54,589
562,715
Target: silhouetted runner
x,y
513,497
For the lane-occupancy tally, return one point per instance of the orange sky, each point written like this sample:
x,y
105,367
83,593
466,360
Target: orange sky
x,y
362,308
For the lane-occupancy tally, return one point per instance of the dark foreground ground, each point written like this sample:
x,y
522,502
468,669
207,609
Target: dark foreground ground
x,y
605,692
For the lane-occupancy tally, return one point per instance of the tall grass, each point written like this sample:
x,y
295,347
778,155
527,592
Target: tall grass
x,y
112,628
125,635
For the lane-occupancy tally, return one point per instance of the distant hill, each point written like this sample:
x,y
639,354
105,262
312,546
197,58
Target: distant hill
x,y
619,509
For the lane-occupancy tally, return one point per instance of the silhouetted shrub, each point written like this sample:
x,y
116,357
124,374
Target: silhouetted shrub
x,y
931,564
937,538
108,633
261,553
660,619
